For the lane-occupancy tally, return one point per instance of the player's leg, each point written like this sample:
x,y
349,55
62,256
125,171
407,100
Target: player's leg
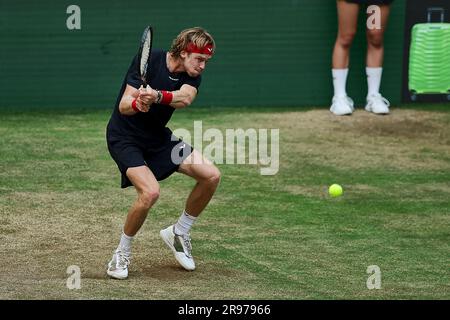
x,y
207,176
147,188
177,236
347,24
374,62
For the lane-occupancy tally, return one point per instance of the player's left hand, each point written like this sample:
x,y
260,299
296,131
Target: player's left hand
x,y
147,95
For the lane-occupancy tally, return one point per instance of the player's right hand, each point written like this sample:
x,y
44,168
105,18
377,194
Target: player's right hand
x,y
142,102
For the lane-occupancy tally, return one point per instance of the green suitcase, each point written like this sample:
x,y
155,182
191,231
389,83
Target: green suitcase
x,y
429,58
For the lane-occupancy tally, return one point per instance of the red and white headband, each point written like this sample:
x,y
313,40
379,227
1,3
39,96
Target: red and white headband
x,y
192,48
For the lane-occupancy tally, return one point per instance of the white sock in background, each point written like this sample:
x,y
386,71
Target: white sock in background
x,y
184,223
373,80
339,81
125,243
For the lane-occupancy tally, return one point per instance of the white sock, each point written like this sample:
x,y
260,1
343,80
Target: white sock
x,y
373,80
125,242
184,223
339,81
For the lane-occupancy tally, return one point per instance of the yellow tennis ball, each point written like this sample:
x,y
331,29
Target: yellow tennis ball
x,y
335,190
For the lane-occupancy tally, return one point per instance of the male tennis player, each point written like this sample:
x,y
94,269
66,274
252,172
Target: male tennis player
x,y
146,151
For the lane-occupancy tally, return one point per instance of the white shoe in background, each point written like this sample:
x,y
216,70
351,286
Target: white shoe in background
x,y
342,105
376,103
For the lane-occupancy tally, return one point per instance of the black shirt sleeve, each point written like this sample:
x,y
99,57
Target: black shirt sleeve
x,y
195,82
133,75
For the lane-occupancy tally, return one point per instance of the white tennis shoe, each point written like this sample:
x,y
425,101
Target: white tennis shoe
x,y
341,106
376,103
180,246
118,266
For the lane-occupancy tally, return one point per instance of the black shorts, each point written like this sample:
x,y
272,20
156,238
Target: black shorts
x,y
370,2
162,158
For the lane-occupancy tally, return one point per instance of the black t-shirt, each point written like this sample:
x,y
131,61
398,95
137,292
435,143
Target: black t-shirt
x,y
148,125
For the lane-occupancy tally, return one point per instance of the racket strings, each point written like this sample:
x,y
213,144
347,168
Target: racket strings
x,y
144,57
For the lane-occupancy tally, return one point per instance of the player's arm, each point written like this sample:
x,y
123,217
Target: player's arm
x,y
183,97
136,100
180,98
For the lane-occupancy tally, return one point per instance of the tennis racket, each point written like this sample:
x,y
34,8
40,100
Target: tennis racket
x,y
144,53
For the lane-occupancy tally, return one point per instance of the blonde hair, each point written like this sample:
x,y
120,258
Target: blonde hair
x,y
197,35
